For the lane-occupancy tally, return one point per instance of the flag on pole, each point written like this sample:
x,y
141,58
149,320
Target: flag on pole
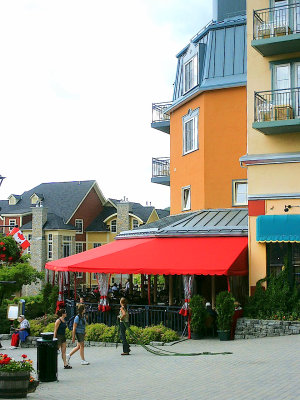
x,y
19,238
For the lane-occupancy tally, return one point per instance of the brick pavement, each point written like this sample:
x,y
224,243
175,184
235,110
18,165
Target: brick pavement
x,y
260,369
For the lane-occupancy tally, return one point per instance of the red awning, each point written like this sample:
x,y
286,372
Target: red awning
x,y
158,256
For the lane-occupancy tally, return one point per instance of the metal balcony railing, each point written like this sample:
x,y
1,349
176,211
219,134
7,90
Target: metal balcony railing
x,y
158,111
273,105
160,167
276,21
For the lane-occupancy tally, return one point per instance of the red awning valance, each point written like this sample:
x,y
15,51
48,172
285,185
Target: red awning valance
x,y
158,256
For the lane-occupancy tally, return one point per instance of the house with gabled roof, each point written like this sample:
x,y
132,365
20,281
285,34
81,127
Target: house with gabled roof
x,y
64,218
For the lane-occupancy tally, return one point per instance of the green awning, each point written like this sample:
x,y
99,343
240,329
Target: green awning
x,y
278,228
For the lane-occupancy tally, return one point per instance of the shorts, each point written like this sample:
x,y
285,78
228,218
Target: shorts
x,y
80,337
61,339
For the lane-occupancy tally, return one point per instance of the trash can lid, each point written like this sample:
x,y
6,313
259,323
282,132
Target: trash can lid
x,y
47,335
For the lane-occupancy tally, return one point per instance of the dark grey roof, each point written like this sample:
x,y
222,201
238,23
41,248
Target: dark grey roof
x,y
61,198
162,213
143,212
53,222
219,222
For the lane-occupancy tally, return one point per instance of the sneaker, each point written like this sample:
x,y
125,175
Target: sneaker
x,y
68,358
13,347
2,348
84,362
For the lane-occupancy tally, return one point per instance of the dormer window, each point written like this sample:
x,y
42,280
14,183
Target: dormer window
x,y
13,199
36,198
190,72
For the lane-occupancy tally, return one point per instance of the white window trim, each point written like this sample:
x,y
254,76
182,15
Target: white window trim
x,y
192,115
80,220
12,223
79,275
188,207
79,243
195,73
234,184
50,241
114,220
97,243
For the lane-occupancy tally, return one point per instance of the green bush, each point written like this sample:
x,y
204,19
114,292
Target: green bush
x,y
4,322
199,314
94,332
36,327
136,331
109,334
225,310
169,336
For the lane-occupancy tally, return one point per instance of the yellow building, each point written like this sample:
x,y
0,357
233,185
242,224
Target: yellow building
x,y
273,151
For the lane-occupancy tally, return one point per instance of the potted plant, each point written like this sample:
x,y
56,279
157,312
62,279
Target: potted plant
x,y
225,311
14,376
198,316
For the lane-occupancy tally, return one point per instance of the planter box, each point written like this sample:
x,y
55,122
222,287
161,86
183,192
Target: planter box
x,y
224,335
14,385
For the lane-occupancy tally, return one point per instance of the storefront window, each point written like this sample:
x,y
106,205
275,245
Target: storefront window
x,y
284,254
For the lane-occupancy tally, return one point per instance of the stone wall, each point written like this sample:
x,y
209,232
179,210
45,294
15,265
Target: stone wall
x,y
256,328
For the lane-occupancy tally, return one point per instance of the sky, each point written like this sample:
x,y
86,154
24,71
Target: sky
x,y
77,83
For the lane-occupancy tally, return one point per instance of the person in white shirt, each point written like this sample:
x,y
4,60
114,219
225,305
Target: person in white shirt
x,y
21,333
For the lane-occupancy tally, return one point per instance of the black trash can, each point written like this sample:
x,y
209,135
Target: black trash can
x,y
47,357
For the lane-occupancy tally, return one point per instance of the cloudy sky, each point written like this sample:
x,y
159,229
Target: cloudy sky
x,y
77,83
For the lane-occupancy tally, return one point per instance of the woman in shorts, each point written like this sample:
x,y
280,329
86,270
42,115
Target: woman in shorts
x,y
60,334
79,332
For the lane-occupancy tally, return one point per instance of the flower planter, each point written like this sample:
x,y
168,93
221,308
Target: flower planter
x,y
14,385
224,335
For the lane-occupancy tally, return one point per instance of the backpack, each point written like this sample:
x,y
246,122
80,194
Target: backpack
x,y
71,322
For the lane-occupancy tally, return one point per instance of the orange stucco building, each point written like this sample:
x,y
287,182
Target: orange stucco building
x,y
210,170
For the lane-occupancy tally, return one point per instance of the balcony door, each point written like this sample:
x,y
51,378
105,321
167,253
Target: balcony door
x,y
282,84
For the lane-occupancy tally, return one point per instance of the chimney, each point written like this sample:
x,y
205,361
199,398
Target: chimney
x,y
224,9
38,242
123,215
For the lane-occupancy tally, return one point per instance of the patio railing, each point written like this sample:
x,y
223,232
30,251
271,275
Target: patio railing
x,y
160,167
276,21
158,111
139,315
276,105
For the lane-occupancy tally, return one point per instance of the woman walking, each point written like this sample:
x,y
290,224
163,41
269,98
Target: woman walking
x,y
124,319
60,334
79,332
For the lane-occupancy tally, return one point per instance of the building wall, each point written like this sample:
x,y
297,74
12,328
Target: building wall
x,y
273,179
222,141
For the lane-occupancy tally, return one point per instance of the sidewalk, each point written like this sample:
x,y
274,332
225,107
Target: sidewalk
x,y
260,369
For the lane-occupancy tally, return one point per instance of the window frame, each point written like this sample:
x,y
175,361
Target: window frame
x,y
188,206
77,244
192,115
11,226
194,69
67,243
96,244
135,222
113,225
49,246
235,182
79,220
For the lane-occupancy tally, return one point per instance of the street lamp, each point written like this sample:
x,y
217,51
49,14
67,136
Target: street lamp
x,y
1,179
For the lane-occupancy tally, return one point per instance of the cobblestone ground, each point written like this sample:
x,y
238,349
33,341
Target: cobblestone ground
x,y
260,369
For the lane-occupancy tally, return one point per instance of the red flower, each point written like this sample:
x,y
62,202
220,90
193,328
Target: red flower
x,y
5,355
2,243
24,356
3,248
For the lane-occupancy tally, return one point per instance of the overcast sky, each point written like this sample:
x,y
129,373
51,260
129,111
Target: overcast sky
x,y
77,83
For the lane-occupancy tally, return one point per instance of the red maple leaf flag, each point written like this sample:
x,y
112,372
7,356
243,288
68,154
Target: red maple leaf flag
x,y
19,238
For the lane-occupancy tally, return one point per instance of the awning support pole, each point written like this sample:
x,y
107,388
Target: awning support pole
x,y
131,284
228,284
155,290
170,290
149,289
213,291
53,278
142,286
189,326
75,294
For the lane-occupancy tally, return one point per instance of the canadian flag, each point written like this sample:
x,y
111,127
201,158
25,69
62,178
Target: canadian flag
x,y
19,238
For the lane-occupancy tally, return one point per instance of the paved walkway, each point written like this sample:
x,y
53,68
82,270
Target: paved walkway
x,y
260,369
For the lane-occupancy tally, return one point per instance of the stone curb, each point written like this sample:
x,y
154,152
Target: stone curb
x,y
247,328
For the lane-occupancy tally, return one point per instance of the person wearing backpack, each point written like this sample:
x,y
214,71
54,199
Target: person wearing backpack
x,y
78,331
60,334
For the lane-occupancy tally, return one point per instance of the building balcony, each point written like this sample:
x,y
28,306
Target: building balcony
x,y
277,30
160,120
161,171
277,111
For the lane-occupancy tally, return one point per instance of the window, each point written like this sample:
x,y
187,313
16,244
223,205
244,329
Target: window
x,y
67,242
94,276
79,274
78,247
190,72
135,223
240,192
190,131
96,245
79,225
113,225
186,198
29,240
12,223
284,254
50,246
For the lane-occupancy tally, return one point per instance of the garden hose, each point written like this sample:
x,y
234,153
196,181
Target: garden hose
x,y
162,352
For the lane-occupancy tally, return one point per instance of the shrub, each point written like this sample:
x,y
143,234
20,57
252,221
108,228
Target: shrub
x,y
199,314
137,333
169,336
225,310
4,322
36,327
109,334
94,332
